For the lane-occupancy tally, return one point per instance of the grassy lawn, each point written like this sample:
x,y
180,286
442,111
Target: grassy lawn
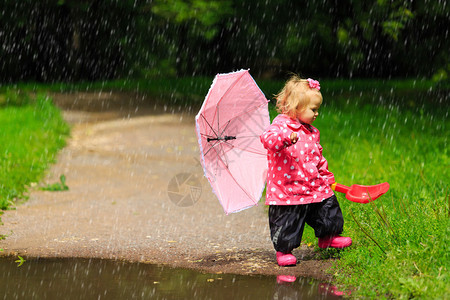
x,y
401,240
32,131
372,131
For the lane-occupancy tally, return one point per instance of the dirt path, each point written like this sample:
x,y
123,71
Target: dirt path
x,y
122,164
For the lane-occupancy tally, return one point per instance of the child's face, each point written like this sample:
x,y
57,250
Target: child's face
x,y
309,113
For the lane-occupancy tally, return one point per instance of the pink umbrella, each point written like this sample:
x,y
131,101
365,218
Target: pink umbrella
x,y
229,123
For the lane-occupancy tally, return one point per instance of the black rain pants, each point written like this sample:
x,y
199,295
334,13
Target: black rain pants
x,y
288,221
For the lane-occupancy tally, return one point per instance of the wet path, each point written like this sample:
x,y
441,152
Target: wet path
x,y
127,200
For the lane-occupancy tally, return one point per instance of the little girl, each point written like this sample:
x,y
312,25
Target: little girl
x,y
298,180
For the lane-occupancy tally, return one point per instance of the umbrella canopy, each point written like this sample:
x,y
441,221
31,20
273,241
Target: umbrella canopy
x,y
229,123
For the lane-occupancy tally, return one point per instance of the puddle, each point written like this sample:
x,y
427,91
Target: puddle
x,y
106,279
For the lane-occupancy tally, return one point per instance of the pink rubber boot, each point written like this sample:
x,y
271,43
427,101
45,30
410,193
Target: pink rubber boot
x,y
285,279
286,259
335,241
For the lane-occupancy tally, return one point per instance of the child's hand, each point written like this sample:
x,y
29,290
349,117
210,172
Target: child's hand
x,y
294,137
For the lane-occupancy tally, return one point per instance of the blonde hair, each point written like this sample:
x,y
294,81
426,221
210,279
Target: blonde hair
x,y
295,95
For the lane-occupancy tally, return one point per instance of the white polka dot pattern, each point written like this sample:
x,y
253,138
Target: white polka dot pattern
x,y
289,163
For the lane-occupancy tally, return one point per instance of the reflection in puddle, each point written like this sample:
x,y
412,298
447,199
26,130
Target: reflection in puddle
x,y
106,279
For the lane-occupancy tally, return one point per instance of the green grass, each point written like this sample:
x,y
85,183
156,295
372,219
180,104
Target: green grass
x,y
32,132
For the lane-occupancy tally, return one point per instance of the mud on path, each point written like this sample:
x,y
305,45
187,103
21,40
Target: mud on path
x,y
125,164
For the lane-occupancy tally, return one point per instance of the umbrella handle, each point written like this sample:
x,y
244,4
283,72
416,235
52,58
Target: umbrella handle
x,y
225,138
340,188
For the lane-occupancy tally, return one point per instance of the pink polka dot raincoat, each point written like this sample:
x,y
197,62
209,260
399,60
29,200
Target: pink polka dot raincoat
x,y
298,173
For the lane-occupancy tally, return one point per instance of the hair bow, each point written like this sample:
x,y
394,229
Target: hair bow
x,y
314,84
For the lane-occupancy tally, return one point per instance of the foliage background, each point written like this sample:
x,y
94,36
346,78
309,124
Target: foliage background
x,y
71,40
